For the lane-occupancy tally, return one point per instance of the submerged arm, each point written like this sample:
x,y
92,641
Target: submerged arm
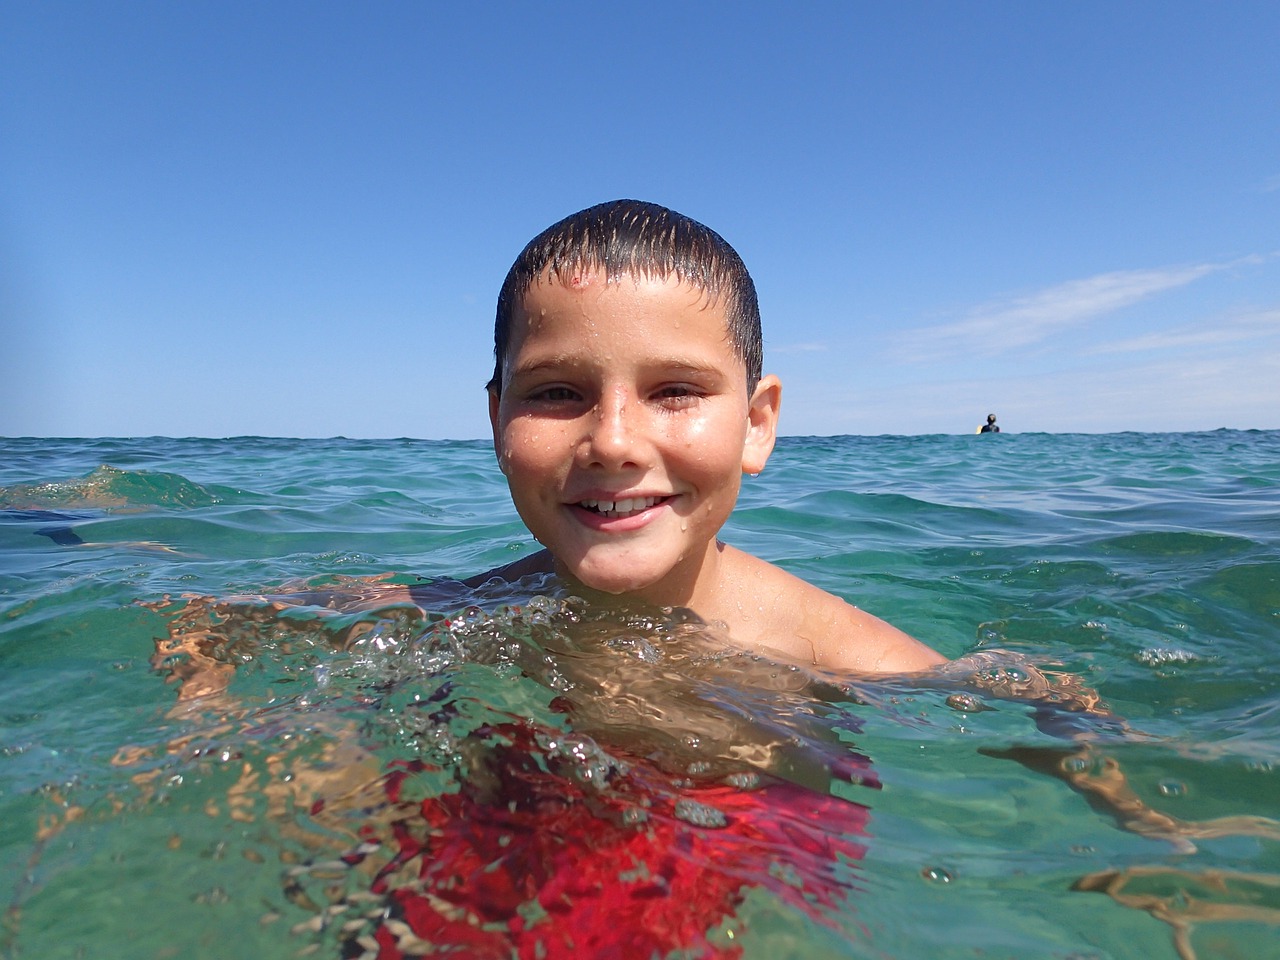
x,y
1064,707
1102,782
207,636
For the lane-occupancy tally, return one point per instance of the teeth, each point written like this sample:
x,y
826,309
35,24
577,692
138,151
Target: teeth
x,y
621,506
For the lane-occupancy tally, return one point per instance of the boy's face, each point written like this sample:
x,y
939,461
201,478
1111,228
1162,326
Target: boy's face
x,y
624,426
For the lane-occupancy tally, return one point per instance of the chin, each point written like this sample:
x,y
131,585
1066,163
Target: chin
x,y
616,586
616,582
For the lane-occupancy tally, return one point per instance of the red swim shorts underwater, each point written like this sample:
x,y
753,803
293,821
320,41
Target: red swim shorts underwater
x,y
554,849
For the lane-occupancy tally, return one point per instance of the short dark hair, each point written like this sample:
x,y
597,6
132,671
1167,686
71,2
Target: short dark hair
x,y
640,240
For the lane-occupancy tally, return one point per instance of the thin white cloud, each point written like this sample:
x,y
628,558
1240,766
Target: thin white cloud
x,y
811,347
1257,325
1006,324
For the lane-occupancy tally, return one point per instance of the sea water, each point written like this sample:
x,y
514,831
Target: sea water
x,y
185,761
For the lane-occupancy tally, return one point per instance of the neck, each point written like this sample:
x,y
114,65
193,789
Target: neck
x,y
694,584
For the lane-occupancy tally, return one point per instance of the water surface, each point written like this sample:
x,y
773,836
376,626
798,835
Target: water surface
x,y
186,776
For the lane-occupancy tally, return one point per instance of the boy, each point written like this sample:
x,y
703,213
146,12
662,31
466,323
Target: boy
x,y
626,402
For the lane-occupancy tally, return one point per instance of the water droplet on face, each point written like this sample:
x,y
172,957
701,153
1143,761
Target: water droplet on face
x,y
936,875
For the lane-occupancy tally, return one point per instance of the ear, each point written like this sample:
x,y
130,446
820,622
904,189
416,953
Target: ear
x,y
493,423
762,424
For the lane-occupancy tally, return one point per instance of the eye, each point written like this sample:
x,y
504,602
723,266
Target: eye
x,y
555,394
678,394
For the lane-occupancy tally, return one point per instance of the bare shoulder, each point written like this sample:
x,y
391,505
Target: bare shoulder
x,y
539,562
796,618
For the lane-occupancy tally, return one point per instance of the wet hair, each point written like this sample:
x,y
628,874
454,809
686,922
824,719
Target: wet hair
x,y
642,241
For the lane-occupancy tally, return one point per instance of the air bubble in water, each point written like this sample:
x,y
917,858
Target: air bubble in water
x,y
1075,765
699,814
937,875
967,703
1173,788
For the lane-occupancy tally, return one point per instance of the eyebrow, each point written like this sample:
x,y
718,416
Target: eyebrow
x,y
568,361
556,362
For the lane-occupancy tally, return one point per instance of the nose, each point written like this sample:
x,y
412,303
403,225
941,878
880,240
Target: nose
x,y
615,436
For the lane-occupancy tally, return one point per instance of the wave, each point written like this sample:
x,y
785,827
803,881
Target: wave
x,y
111,489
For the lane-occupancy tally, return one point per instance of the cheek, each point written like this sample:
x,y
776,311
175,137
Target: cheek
x,y
529,449
713,442
712,429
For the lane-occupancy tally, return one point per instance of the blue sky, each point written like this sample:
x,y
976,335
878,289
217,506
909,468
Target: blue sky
x,y
292,219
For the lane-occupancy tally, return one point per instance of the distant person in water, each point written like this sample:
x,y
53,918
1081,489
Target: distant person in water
x,y
627,401
989,426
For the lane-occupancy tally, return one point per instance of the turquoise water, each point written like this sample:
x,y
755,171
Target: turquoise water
x,y
139,818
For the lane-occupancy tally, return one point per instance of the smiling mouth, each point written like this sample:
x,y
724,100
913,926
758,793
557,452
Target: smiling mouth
x,y
614,509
